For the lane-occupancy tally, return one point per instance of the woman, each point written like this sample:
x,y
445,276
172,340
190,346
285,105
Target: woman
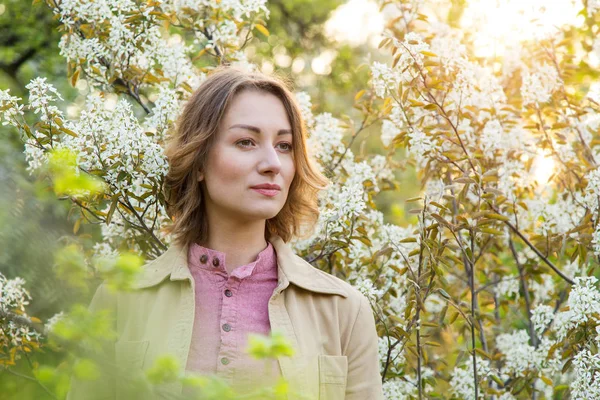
x,y
240,185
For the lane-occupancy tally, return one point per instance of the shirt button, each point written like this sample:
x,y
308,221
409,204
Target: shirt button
x,y
226,327
216,262
203,258
228,293
224,361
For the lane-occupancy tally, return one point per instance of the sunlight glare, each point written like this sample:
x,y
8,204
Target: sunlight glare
x,y
543,168
499,25
355,23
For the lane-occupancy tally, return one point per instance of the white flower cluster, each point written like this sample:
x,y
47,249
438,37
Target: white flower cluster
x,y
236,8
541,317
10,108
462,384
410,50
13,295
381,168
386,79
539,83
400,389
546,218
366,287
389,131
520,355
13,298
507,287
420,145
51,323
492,137
41,97
126,44
305,104
113,142
593,6
393,234
583,303
166,110
596,240
396,356
586,384
325,138
591,193
406,388
477,86
446,44
218,25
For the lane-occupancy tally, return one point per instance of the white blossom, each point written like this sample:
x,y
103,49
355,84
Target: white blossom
x,y
586,384
491,137
166,110
381,169
305,104
326,138
541,317
35,156
41,97
10,108
593,6
507,286
520,356
461,382
49,326
592,190
539,83
383,79
389,131
420,144
396,356
13,298
399,389
584,304
366,287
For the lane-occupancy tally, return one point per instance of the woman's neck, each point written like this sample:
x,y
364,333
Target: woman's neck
x,y
241,246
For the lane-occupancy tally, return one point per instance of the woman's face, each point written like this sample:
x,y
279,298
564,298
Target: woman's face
x,y
253,147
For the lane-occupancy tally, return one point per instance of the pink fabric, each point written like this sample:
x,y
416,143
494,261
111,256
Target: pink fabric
x,y
220,349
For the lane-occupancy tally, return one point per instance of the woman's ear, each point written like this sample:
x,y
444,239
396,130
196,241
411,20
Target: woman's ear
x,y
200,176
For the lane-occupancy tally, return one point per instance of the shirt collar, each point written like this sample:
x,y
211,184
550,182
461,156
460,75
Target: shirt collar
x,y
292,268
214,261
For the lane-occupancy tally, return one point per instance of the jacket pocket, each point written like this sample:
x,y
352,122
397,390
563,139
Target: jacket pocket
x,y
129,357
333,372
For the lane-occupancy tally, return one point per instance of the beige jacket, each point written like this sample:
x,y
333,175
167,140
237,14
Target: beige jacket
x,y
329,323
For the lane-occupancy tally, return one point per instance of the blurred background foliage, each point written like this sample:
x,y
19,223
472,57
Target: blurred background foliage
x,y
34,223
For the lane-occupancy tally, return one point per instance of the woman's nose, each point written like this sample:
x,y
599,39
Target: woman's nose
x,y
270,161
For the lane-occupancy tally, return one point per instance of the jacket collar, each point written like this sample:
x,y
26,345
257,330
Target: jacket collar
x,y
291,268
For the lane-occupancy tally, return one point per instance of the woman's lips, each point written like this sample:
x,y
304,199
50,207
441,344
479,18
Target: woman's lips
x,y
267,192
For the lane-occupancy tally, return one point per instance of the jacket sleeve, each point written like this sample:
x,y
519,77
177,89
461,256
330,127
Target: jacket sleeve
x,y
102,388
364,378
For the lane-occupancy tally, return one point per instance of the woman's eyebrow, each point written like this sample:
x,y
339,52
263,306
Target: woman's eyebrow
x,y
256,130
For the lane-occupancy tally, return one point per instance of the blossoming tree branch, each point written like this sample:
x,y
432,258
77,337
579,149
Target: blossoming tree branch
x,y
492,293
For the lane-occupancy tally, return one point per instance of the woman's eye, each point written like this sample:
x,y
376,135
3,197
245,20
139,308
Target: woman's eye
x,y
244,141
247,143
287,146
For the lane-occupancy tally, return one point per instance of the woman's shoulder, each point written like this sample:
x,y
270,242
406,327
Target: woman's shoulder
x,y
316,280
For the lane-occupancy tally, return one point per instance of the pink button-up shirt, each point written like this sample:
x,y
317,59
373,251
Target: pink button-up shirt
x,y
228,308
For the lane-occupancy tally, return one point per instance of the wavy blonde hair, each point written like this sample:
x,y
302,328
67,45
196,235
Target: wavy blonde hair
x,y
193,137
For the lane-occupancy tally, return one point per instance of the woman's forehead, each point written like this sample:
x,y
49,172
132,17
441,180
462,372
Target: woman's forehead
x,y
258,109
